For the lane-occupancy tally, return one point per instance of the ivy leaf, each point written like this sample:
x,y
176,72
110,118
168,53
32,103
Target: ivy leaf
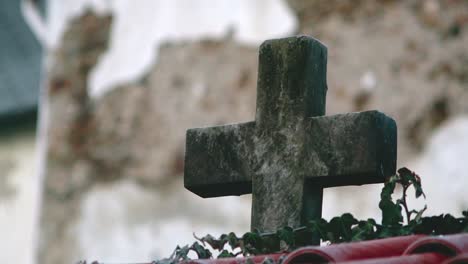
x,y
409,177
286,238
449,225
305,237
339,228
252,242
427,225
418,190
347,221
391,231
419,214
405,176
271,242
181,253
252,238
391,212
225,254
441,225
334,230
233,240
217,244
319,228
202,253
364,230
388,189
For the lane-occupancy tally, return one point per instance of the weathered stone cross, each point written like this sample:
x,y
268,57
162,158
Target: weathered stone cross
x,y
291,151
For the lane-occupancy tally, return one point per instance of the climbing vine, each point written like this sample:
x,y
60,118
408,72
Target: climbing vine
x,y
397,220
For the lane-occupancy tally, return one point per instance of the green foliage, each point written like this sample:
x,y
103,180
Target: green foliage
x,y
344,228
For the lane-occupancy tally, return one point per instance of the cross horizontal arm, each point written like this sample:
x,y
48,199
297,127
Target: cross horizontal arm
x,y
216,160
349,149
344,149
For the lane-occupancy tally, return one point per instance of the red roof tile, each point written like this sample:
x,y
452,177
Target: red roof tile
x,y
460,259
406,249
451,249
449,245
352,251
427,258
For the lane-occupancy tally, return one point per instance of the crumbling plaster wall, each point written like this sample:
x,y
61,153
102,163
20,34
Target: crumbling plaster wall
x,y
114,190
110,153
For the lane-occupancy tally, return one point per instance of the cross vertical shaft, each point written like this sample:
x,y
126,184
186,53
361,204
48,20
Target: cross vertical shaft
x,y
291,81
291,87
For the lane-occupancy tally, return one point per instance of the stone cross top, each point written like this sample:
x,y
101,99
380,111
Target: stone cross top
x,y
291,151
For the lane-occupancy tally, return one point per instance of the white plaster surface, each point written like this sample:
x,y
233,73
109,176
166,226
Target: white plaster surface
x,y
123,222
442,166
18,197
139,29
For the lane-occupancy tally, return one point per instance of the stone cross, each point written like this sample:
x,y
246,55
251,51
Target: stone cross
x,y
291,151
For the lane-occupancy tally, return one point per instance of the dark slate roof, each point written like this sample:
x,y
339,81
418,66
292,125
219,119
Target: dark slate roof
x,y
20,62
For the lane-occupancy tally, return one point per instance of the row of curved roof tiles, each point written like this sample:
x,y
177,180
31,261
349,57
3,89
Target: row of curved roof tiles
x,y
450,249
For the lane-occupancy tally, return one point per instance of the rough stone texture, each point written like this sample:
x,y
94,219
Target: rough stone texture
x,y
217,160
70,171
180,92
292,82
363,145
286,145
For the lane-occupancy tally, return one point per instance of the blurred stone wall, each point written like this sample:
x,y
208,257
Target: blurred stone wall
x,y
114,188
69,170
406,58
135,132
